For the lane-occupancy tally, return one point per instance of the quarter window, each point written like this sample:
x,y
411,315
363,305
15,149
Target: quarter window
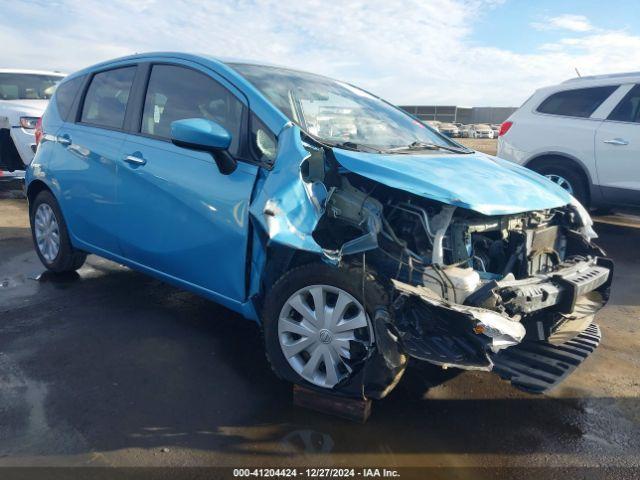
x,y
263,142
66,94
581,102
628,110
176,93
106,100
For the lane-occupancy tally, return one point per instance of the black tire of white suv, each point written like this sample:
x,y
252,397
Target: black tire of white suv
x,y
567,177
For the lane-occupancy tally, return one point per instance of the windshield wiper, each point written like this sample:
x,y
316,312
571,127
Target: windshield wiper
x,y
359,147
430,146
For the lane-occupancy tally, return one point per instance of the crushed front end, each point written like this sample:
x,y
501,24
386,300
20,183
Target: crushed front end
x,y
502,289
513,294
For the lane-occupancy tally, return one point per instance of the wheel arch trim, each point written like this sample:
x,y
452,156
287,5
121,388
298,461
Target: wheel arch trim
x,y
35,187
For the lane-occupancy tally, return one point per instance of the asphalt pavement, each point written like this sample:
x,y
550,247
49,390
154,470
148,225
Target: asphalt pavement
x,y
109,367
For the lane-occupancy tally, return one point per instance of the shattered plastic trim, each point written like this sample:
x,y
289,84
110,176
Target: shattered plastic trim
x,y
503,332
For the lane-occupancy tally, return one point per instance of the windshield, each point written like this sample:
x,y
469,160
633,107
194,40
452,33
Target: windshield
x,y
27,86
338,113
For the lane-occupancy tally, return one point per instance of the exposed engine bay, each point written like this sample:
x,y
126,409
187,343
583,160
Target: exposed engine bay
x,y
469,285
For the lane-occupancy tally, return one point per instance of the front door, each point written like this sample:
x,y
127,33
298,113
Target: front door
x,y
617,150
179,215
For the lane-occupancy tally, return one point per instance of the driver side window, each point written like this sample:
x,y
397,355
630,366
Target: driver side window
x,y
175,93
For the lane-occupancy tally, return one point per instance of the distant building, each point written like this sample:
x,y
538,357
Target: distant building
x,y
455,114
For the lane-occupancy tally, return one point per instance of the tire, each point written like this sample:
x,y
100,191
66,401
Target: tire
x,y
578,187
65,258
9,157
603,210
348,279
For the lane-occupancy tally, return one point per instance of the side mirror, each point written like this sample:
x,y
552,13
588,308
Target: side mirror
x,y
207,136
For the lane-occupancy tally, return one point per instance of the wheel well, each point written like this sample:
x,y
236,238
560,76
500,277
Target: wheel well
x,y
280,259
574,165
35,187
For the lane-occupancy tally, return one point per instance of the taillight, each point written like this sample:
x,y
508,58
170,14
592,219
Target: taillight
x,y
38,132
504,128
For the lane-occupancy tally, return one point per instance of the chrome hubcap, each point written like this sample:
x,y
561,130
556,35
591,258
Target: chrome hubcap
x,y
318,329
47,232
563,182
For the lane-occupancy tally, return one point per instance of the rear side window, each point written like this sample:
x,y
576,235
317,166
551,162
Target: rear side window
x,y
66,94
628,110
106,100
581,102
175,93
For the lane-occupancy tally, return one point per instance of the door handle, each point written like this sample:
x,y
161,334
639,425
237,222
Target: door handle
x,y
133,160
64,140
616,141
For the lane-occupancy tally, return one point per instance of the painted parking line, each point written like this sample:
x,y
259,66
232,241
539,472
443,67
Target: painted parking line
x,y
626,220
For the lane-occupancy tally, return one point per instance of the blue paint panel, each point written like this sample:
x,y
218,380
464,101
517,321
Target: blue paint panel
x,y
178,214
475,181
84,176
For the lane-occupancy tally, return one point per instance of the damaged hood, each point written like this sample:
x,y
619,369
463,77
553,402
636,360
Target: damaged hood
x,y
479,182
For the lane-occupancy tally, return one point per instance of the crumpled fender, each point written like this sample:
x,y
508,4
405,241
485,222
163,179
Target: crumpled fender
x,y
284,205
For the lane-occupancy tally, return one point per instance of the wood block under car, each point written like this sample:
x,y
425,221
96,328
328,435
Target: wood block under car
x,y
354,409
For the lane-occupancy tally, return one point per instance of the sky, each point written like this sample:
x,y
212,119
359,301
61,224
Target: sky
x,y
442,52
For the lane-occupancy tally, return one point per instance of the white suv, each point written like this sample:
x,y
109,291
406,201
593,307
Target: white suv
x,y
583,134
24,95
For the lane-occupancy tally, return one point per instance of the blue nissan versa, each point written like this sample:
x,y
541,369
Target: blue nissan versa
x,y
358,237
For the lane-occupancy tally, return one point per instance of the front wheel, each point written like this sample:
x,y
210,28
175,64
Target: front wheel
x,y
50,235
317,324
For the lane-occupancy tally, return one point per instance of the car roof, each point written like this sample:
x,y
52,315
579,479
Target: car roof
x,y
612,79
589,81
181,55
606,78
33,72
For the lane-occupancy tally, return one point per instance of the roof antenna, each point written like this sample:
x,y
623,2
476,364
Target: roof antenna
x,y
576,69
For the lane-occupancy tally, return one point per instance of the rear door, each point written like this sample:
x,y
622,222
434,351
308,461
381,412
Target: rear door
x,y
179,215
617,150
86,168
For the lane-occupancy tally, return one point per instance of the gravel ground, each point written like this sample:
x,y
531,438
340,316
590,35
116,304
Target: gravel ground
x,y
484,145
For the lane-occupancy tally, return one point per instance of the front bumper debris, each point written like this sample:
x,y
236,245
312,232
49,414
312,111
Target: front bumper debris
x,y
537,367
556,310
561,288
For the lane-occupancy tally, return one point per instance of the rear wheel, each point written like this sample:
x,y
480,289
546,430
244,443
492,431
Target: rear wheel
x,y
50,235
566,177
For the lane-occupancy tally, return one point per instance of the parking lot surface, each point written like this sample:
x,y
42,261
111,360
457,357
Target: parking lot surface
x,y
110,367
484,145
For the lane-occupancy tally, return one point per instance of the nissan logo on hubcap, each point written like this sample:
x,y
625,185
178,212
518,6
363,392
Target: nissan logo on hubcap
x,y
325,336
